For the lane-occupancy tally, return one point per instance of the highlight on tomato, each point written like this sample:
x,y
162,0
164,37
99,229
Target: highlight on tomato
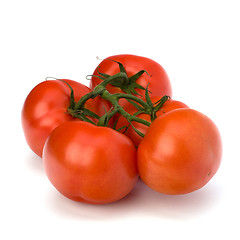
x,y
47,105
88,163
180,152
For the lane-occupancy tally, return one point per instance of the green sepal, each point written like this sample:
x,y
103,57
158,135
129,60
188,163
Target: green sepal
x,y
161,102
121,128
137,131
104,119
89,113
147,97
103,74
126,128
137,75
72,101
115,123
121,67
140,112
137,106
84,118
119,82
131,88
127,84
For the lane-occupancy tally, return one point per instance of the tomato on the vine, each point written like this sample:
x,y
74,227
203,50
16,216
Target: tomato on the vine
x,y
155,76
130,132
46,107
180,152
88,163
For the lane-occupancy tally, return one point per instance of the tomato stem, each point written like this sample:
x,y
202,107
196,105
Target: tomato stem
x,y
99,89
76,109
158,106
113,99
72,102
134,98
80,115
80,104
128,85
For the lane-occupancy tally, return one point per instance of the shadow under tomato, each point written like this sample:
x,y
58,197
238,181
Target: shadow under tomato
x,y
34,162
179,206
141,202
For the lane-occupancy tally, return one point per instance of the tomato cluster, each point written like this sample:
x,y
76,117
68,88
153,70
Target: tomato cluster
x,y
97,141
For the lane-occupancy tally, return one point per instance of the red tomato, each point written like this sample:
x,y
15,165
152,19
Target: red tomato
x,y
45,108
159,84
92,164
131,133
180,152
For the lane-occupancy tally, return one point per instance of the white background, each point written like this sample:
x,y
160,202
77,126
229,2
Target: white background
x,y
198,44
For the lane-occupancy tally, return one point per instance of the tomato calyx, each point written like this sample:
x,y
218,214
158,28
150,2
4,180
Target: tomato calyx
x,y
152,107
84,114
122,81
72,101
78,110
114,98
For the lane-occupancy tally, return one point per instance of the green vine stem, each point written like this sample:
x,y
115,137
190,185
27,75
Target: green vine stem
x,y
101,90
80,104
113,99
98,89
77,110
134,98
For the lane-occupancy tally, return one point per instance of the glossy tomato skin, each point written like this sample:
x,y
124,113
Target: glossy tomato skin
x,y
180,152
159,83
46,107
168,106
92,164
